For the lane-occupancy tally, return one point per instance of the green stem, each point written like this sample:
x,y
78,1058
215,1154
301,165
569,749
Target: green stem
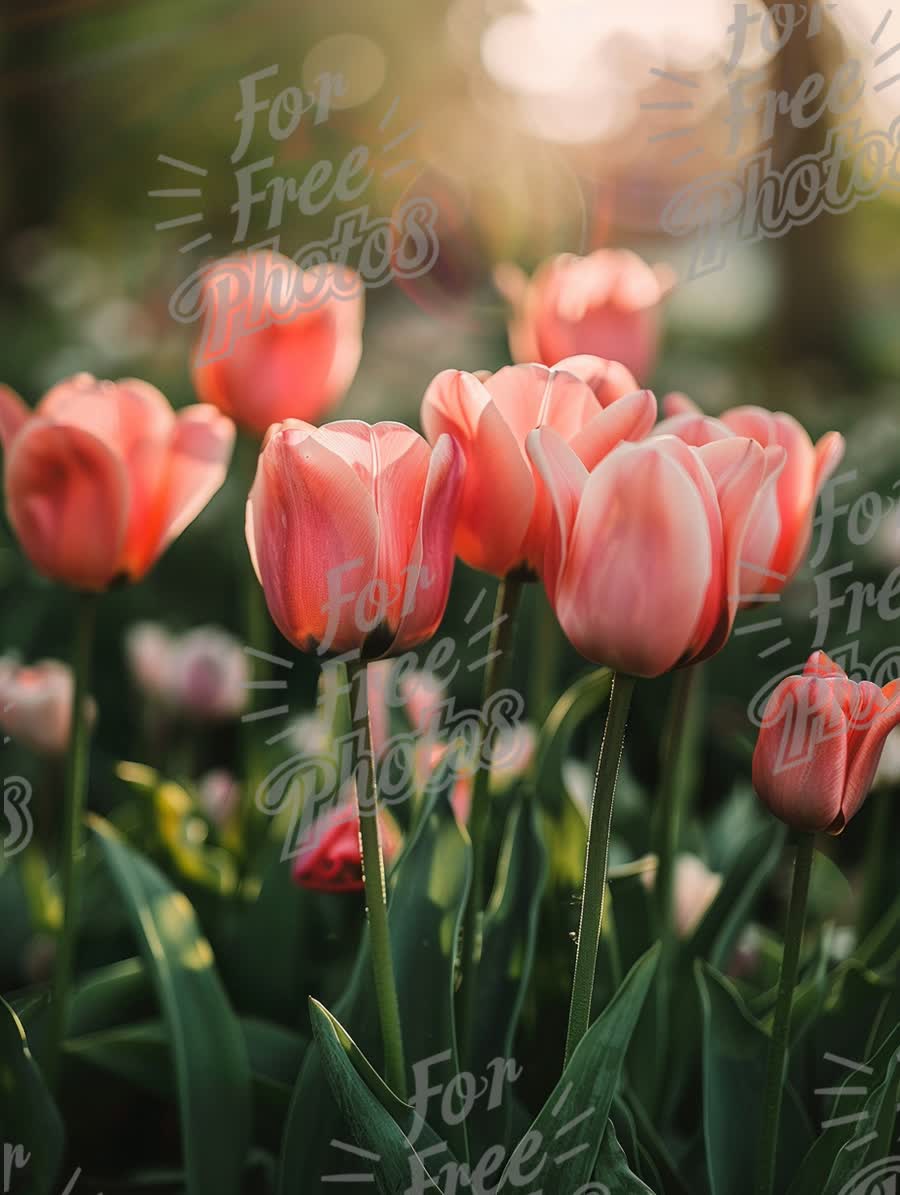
x,y
597,860
675,777
508,594
75,789
778,1046
374,882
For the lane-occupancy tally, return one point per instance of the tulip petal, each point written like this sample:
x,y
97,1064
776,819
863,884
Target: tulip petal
x,y
564,478
313,534
431,561
609,380
829,454
694,428
67,497
873,719
800,761
629,418
640,561
14,414
677,403
496,505
199,452
402,460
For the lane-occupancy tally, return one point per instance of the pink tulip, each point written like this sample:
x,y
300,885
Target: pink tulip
x,y
607,304
774,558
279,342
104,475
643,556
505,511
819,745
36,704
350,530
329,860
203,673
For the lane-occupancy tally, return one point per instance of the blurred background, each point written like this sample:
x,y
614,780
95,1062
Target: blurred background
x,y
535,127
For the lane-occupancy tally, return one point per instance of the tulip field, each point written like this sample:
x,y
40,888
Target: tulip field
x,y
450,701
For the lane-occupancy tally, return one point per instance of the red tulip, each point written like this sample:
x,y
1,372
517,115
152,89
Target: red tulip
x,y
330,860
820,743
102,476
793,501
606,304
505,512
643,556
350,529
279,342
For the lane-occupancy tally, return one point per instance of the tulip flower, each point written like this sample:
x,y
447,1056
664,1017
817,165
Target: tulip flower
x,y
102,476
220,795
203,673
607,304
643,556
775,557
279,342
330,860
820,743
350,530
505,512
36,704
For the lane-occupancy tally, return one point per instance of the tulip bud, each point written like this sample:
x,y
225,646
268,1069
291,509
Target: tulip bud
x,y
350,531
819,745
330,859
203,673
279,342
605,304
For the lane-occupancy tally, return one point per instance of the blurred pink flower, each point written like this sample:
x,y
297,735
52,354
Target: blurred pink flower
x,y
606,304
36,704
219,794
279,342
203,673
696,887
102,476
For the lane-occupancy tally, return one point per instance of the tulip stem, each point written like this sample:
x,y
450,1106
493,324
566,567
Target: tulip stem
x,y
73,812
548,639
508,593
597,860
778,1045
374,881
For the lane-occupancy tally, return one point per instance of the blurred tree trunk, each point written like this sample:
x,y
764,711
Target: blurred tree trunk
x,y
810,316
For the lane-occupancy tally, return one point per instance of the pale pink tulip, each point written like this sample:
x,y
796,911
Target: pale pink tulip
x,y
778,549
36,704
102,476
279,342
505,511
820,743
203,673
643,556
350,530
607,304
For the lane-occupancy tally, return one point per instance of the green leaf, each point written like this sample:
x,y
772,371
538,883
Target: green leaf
x,y
28,1115
716,935
563,1142
429,885
383,1126
578,702
735,1050
211,1067
612,1167
510,933
113,995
